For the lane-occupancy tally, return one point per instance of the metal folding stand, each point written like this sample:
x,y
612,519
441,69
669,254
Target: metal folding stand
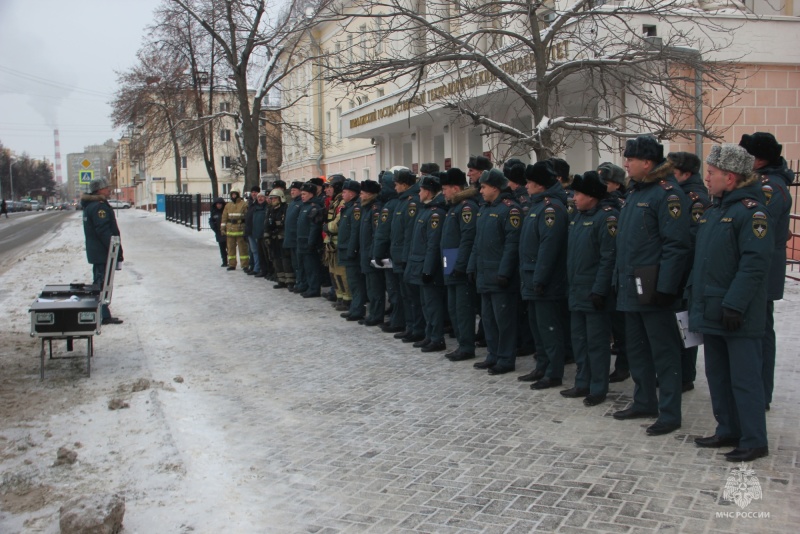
x,y
80,317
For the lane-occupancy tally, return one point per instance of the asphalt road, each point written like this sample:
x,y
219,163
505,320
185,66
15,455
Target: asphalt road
x,y
21,231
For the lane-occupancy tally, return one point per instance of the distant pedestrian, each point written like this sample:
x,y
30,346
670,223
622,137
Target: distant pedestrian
x,y
4,208
99,226
215,221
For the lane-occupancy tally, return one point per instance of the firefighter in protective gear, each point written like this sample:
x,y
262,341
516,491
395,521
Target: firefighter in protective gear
x,y
233,227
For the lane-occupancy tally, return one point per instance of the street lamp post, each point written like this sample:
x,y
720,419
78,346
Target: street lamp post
x,y
11,160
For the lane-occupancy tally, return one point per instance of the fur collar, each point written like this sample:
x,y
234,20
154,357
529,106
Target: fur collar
x,y
750,180
466,194
86,197
660,172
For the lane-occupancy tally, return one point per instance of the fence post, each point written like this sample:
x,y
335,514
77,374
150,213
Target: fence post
x,y
199,210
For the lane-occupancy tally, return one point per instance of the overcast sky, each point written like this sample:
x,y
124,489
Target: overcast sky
x,y
57,63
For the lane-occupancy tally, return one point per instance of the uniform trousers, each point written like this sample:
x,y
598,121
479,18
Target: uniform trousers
x,y
592,352
433,310
768,349
98,279
498,313
618,333
654,353
339,279
300,283
312,269
358,290
415,320
461,307
234,242
733,371
547,321
375,285
397,318
281,263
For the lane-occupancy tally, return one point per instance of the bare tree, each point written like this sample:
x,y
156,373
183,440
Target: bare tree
x,y
152,96
253,37
578,69
176,33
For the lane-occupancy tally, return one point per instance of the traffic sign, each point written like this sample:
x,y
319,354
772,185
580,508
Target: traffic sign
x,y
86,163
86,176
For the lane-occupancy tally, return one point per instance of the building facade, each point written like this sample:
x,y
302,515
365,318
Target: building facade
x,y
387,121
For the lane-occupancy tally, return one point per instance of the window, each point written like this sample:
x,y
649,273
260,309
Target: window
x,y
184,162
337,58
352,175
184,188
329,132
350,51
365,173
363,43
225,135
339,120
226,189
263,164
224,107
262,141
226,162
378,37
380,92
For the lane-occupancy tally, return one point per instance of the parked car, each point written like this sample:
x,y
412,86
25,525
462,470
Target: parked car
x,y
119,204
36,205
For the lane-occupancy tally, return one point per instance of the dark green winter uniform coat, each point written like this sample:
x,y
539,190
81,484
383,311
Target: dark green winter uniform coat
x,y
405,214
653,230
424,254
290,231
775,181
309,226
458,232
591,253
731,264
495,251
99,225
349,230
543,246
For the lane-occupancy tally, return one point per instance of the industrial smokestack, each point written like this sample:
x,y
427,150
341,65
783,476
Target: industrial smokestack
x,y
59,177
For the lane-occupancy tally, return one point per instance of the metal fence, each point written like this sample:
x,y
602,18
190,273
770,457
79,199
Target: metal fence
x,y
189,210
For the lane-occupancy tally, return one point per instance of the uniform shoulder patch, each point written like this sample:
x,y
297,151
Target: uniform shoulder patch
x,y
767,189
466,214
515,217
694,196
357,213
665,185
412,209
611,225
749,203
384,215
607,208
508,202
102,213
760,224
549,216
435,221
674,205
698,208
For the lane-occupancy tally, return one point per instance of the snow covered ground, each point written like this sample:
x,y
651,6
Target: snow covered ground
x,y
252,410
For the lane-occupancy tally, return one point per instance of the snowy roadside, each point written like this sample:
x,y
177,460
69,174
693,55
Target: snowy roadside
x,y
286,418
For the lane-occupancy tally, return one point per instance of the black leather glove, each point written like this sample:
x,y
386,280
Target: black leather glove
x,y
538,290
502,281
664,300
598,301
732,320
427,278
472,277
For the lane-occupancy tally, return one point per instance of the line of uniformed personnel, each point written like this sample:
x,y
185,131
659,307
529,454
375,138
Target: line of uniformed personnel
x,y
565,266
